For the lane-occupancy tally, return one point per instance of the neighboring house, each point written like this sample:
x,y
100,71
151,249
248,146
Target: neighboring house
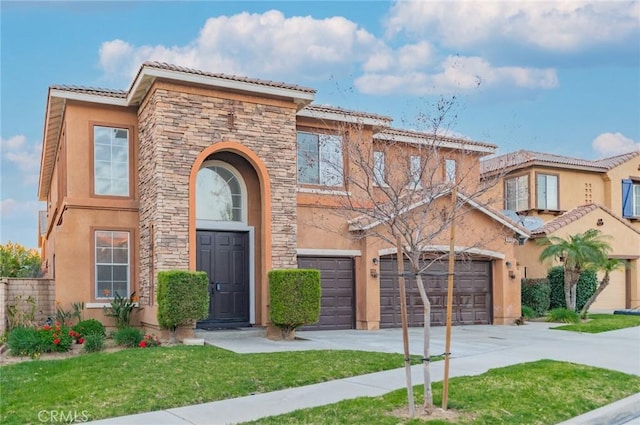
x,y
560,196
199,171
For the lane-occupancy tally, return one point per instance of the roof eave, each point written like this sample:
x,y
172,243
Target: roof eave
x,y
148,74
344,117
435,141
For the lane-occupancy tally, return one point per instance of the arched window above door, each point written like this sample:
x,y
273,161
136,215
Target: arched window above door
x,y
220,193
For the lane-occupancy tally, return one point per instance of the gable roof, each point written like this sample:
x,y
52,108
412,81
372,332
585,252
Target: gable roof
x,y
431,139
333,113
366,223
524,158
148,73
572,216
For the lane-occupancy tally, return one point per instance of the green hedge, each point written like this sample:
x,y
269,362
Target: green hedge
x,y
535,294
183,298
294,298
587,285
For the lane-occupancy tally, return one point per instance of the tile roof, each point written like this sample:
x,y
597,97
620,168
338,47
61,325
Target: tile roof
x,y
92,90
269,83
524,158
390,132
572,216
336,110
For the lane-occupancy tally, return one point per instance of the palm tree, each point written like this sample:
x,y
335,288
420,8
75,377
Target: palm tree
x,y
609,265
579,252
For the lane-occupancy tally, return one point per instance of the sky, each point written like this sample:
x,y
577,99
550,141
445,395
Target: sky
x,y
560,77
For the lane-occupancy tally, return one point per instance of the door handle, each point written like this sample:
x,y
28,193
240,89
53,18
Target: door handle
x,y
217,286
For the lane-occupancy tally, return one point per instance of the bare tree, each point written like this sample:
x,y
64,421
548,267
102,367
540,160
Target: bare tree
x,y
398,190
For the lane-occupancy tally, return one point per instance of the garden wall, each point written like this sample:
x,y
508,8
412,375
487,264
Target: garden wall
x,y
14,291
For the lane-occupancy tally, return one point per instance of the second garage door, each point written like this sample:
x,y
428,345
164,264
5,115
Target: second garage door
x,y
472,294
337,281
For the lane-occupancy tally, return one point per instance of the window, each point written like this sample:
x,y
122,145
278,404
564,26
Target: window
x,y
378,169
450,170
112,263
547,191
219,193
415,168
319,159
630,198
516,195
111,161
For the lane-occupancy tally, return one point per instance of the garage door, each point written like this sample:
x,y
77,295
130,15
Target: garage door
x,y
337,302
472,294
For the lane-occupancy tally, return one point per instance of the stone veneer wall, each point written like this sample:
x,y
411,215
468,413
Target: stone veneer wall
x,y
175,127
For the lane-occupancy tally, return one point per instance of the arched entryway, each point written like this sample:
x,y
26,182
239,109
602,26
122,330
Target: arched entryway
x,y
227,219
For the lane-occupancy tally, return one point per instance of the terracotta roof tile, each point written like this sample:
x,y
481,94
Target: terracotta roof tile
x,y
169,67
525,158
572,216
390,132
92,90
336,110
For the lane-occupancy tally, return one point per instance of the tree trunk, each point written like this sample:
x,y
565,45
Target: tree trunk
x,y
428,395
603,284
567,288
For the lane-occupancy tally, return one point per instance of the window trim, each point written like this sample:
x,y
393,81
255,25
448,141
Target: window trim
x,y
132,159
528,176
383,169
244,213
557,176
633,208
318,133
447,177
133,260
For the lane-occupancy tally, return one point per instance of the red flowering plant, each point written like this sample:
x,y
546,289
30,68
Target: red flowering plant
x,y
54,337
77,337
149,341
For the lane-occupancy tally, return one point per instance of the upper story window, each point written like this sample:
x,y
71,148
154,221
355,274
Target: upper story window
x,y
450,170
111,264
630,199
516,193
379,178
219,193
320,159
110,161
415,170
547,191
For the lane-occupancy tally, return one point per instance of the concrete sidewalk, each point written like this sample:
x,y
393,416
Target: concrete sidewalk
x,y
474,350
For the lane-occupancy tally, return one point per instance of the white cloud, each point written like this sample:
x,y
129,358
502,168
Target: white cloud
x,y
242,43
458,74
26,156
559,26
611,144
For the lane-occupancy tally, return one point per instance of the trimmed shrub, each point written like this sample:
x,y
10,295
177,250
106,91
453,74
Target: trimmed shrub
x,y
563,315
33,342
128,337
295,298
587,285
94,342
88,327
183,298
535,294
528,312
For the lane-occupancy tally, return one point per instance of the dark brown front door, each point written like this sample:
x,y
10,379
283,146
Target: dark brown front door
x,y
224,256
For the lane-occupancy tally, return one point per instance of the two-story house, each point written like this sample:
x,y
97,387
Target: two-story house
x,y
560,196
199,171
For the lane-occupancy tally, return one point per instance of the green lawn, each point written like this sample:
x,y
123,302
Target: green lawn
x,y
603,323
136,380
537,393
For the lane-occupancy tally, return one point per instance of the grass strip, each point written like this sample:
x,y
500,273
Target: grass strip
x,y
131,381
603,323
536,393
